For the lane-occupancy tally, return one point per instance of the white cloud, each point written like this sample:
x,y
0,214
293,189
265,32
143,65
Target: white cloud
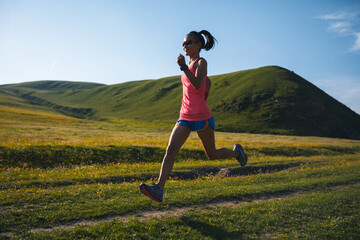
x,y
356,46
342,28
339,16
345,23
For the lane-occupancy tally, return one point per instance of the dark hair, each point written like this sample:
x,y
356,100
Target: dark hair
x,y
210,40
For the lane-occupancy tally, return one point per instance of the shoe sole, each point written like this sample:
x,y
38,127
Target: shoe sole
x,y
147,193
245,162
246,158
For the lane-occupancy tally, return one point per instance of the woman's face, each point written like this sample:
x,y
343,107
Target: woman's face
x,y
190,45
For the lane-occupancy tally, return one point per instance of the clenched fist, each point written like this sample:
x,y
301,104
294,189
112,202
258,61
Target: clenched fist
x,y
180,60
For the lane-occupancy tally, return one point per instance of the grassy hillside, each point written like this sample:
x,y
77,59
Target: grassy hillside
x,y
23,96
56,85
276,100
264,100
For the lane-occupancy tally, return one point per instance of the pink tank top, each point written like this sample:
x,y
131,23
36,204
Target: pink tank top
x,y
194,106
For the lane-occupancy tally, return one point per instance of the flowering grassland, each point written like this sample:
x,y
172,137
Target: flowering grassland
x,y
58,172
21,128
81,142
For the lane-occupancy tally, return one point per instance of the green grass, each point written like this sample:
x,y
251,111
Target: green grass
x,y
59,171
44,206
269,219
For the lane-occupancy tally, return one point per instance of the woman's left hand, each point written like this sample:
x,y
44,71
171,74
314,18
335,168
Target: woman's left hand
x,y
180,60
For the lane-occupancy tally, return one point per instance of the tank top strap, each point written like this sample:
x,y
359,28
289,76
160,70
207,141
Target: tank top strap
x,y
192,64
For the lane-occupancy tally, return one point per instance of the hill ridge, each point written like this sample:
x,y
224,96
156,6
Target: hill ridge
x,y
55,85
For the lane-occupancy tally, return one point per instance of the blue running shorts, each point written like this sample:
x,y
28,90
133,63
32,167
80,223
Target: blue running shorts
x,y
197,125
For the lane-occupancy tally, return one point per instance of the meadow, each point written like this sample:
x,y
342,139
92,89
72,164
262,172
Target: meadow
x,y
68,178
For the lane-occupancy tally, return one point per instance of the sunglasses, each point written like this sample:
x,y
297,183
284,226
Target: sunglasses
x,y
188,42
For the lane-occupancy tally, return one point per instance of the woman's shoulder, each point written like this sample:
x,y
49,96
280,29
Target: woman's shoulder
x,y
200,61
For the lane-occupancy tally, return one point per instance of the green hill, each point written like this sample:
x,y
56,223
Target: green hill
x,y
56,85
24,96
264,100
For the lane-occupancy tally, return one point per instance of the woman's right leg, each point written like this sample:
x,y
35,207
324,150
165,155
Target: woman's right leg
x,y
177,139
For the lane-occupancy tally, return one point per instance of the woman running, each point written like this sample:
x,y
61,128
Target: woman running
x,y
194,114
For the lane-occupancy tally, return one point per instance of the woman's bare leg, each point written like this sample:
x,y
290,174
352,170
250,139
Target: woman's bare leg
x,y
208,140
177,139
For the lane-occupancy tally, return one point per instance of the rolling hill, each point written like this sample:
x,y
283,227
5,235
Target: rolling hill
x,y
270,99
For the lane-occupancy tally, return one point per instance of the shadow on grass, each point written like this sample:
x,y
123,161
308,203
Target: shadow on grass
x,y
209,229
184,174
50,156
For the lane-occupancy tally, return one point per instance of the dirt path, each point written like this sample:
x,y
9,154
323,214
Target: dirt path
x,y
174,212
148,214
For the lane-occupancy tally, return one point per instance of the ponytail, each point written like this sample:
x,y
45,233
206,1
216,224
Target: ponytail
x,y
210,40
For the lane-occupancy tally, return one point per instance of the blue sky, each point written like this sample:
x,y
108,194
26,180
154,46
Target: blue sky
x,y
114,41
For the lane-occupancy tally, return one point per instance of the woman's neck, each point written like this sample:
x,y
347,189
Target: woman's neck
x,y
193,58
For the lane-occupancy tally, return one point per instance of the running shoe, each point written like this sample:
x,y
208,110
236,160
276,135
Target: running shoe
x,y
242,158
153,191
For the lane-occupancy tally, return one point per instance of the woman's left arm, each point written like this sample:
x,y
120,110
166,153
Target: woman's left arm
x,y
200,73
